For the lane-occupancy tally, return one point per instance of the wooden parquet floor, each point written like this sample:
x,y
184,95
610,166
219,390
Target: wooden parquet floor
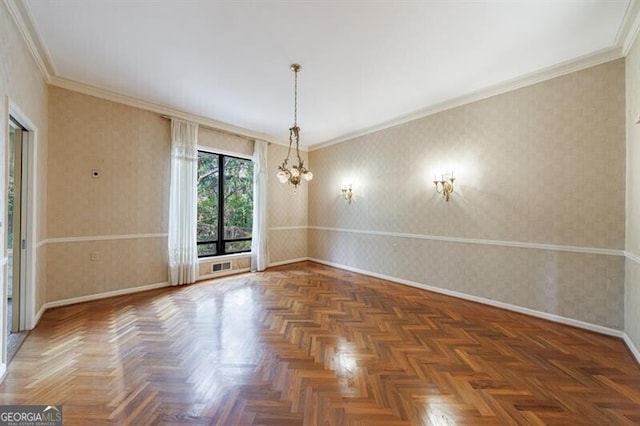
x,y
307,344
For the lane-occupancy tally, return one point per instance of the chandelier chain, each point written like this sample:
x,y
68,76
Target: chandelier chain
x,y
295,98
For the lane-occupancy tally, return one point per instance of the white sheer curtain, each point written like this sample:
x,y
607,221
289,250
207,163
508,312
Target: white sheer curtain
x,y
259,248
183,252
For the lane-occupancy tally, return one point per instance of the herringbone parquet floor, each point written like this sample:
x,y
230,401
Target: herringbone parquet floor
x,y
308,344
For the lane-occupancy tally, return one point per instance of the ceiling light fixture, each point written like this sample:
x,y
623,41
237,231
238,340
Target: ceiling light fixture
x,y
296,173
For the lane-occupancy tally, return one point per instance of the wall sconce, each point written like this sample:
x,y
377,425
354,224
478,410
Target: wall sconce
x,y
347,193
444,185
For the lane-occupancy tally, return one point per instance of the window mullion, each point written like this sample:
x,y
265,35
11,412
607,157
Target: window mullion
x,y
221,247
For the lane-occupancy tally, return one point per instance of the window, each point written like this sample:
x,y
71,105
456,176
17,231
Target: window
x,y
225,204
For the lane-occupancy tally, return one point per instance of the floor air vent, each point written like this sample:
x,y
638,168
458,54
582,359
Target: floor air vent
x,y
217,267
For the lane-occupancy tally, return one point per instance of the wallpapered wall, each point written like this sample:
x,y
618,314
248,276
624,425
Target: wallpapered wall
x,y
21,81
544,164
632,286
122,215
287,211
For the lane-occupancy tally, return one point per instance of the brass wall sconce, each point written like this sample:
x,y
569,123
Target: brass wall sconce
x,y
444,185
347,193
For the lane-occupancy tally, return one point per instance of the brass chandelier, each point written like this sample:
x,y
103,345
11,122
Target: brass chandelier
x,y
296,173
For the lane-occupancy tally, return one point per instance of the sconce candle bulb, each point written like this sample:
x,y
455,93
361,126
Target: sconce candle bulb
x,y
347,193
444,185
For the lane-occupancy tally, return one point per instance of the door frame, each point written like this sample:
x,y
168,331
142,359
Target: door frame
x,y
29,317
18,278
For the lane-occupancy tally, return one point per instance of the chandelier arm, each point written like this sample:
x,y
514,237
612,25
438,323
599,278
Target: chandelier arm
x,y
289,150
297,134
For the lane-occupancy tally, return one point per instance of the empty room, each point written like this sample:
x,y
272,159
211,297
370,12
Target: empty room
x,y
289,212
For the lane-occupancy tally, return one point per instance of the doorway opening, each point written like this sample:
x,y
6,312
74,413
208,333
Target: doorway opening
x,y
16,234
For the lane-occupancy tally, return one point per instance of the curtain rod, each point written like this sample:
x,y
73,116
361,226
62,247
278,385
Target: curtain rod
x,y
218,130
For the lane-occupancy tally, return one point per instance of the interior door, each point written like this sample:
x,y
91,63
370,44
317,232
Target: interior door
x,y
16,217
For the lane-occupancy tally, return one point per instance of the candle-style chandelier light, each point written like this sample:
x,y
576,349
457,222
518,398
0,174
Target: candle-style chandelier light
x,y
297,172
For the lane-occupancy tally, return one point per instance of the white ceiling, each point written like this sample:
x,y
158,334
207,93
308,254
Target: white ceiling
x,y
364,63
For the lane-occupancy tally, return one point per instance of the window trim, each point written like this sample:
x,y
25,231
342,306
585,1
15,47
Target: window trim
x,y
221,242
216,151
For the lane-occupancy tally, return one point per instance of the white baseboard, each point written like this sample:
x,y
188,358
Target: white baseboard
x,y
634,350
3,371
38,315
286,262
88,298
544,315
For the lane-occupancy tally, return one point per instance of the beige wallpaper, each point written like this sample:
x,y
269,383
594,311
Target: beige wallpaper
x,y
122,215
121,264
127,203
287,213
287,244
585,287
22,82
128,146
286,207
632,284
530,166
224,142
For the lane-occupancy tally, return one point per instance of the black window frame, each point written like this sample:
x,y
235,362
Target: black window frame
x,y
221,242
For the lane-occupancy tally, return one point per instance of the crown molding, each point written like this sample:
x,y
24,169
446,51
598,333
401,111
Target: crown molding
x,y
40,55
160,109
630,27
22,20
625,37
549,73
